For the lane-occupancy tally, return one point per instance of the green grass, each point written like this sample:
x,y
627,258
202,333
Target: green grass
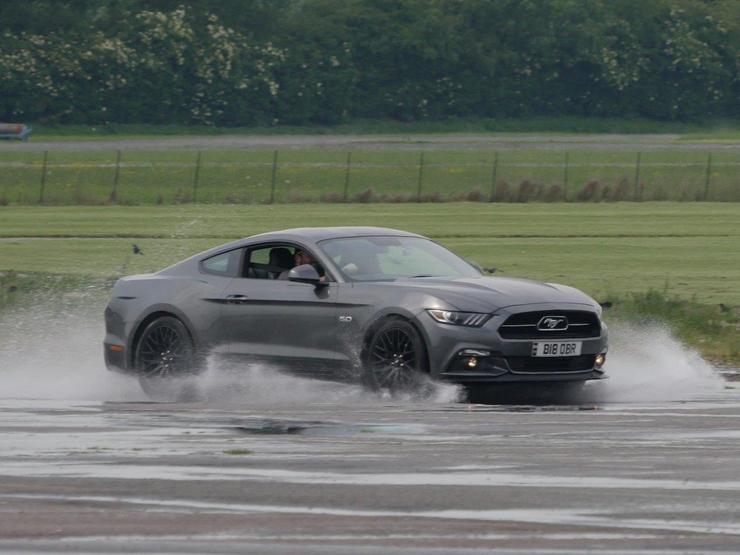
x,y
692,248
24,288
622,252
713,329
390,173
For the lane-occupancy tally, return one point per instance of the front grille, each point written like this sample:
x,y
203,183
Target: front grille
x,y
555,364
523,325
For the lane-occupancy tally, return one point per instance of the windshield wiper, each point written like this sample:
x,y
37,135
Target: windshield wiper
x,y
423,276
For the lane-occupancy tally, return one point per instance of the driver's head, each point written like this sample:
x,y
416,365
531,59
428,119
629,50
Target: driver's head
x,y
302,257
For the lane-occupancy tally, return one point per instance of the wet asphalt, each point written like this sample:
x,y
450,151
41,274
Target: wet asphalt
x,y
370,475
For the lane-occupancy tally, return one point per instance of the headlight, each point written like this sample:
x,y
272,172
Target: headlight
x,y
470,319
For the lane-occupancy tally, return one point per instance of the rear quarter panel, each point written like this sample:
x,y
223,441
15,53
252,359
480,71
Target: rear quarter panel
x,y
136,299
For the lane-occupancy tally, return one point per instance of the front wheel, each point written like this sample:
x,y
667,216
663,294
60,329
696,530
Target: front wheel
x,y
165,360
395,357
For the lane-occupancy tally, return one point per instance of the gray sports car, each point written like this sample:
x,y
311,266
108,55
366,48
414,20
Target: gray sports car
x,y
380,305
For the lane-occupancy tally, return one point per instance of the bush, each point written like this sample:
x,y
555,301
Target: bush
x,y
502,193
368,195
431,197
590,192
332,197
554,194
297,197
232,198
528,191
181,197
618,193
292,61
476,195
396,198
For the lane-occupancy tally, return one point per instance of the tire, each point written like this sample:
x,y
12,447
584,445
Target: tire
x,y
395,357
165,360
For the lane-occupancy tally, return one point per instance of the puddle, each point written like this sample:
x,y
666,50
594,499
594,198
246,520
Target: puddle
x,y
570,516
325,429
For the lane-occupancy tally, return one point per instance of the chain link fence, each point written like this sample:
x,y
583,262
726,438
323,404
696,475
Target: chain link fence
x,y
326,175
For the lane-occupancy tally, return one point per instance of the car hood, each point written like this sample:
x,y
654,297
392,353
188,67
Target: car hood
x,y
488,294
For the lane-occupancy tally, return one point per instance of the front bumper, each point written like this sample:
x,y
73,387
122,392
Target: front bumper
x,y
497,369
115,360
507,360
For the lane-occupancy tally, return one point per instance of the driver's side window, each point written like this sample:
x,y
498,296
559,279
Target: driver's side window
x,y
274,261
270,261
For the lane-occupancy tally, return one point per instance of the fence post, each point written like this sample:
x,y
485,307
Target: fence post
x,y
274,176
116,177
637,177
43,177
708,177
565,177
421,177
196,176
494,171
346,176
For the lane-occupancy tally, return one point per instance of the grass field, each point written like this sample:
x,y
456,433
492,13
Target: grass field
x,y
392,173
689,248
678,262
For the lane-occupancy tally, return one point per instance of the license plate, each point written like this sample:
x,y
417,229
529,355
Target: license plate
x,y
556,349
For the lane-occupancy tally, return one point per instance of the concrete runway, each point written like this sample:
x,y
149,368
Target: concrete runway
x,y
370,475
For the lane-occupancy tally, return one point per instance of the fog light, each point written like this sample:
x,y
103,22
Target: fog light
x,y
474,353
116,348
600,359
472,362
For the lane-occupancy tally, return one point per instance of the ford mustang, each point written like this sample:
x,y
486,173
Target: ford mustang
x,y
382,306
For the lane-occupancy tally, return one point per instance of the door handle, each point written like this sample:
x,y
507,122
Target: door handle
x,y
236,299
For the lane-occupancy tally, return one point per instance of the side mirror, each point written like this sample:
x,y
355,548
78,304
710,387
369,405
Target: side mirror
x,y
305,273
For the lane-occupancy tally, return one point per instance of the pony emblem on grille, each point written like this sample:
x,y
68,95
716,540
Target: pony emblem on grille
x,y
552,323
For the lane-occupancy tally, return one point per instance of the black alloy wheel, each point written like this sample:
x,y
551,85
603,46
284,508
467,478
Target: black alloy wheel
x,y
163,354
395,357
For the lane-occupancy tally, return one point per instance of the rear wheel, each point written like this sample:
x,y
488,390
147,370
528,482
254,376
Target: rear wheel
x,y
395,357
165,360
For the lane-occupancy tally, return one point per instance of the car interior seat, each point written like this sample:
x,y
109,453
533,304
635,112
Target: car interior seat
x,y
280,257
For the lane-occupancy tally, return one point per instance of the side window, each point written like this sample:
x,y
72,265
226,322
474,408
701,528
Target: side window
x,y
270,261
275,261
224,264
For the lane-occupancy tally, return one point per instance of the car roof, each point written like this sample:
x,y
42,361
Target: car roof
x,y
316,234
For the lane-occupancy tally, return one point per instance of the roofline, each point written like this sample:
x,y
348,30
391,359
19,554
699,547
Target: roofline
x,y
311,235
316,234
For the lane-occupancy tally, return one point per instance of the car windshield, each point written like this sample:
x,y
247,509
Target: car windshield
x,y
384,258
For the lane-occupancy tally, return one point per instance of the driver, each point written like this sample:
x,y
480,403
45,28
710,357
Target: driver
x,y
302,257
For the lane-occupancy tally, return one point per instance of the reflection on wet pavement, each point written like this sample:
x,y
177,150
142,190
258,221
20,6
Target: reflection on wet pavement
x,y
370,477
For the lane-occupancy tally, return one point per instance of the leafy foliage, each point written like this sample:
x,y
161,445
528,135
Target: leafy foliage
x,y
325,61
